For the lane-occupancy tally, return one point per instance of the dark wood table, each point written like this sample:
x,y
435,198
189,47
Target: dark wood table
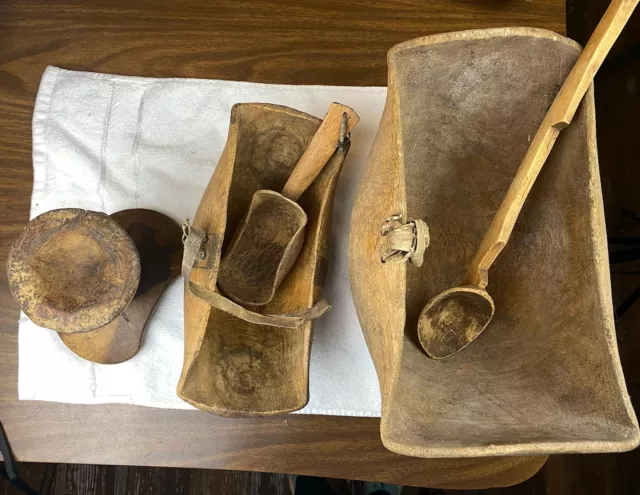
x,y
296,42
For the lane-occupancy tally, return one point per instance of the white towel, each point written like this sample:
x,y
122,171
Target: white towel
x,y
108,143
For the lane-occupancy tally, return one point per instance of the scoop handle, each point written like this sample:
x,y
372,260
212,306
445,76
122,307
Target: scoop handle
x,y
322,147
557,118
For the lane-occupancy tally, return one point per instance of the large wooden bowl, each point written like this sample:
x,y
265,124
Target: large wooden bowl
x,y
545,376
233,367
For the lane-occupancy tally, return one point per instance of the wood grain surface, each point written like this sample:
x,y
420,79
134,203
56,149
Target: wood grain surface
x,y
336,125
296,42
531,361
157,240
73,270
465,311
230,365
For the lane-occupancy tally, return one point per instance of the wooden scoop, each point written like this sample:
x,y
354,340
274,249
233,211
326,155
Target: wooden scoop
x,y
269,238
455,317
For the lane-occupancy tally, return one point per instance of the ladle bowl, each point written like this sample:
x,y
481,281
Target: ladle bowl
x,y
453,319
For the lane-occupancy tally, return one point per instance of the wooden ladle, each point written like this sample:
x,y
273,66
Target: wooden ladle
x,y
269,238
457,316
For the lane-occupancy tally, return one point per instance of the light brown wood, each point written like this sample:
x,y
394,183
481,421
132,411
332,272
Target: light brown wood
x,y
459,107
456,317
73,270
557,118
268,240
235,41
157,241
322,146
233,367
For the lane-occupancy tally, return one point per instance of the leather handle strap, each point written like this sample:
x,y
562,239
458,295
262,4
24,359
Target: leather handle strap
x,y
193,240
287,320
403,240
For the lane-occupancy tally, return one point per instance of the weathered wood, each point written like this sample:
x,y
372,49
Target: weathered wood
x,y
268,240
456,317
233,367
225,40
264,248
157,240
444,153
73,270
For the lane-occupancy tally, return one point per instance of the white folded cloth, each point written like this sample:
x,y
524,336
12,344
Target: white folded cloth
x,y
108,143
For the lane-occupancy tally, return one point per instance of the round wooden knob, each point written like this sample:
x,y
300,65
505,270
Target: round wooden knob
x,y
73,270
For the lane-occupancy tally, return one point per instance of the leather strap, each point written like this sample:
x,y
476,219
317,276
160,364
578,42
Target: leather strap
x,y
404,240
193,240
288,320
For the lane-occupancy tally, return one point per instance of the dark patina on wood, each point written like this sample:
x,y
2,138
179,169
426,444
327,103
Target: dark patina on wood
x,y
157,240
269,238
94,278
73,270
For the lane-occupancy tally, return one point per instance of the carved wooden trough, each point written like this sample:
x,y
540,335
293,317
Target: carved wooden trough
x,y
545,376
255,362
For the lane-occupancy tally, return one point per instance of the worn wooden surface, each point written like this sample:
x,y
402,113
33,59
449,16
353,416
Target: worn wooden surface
x,y
269,238
302,42
73,270
336,126
157,241
454,318
234,367
528,385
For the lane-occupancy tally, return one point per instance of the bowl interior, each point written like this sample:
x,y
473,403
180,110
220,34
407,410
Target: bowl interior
x,y
544,376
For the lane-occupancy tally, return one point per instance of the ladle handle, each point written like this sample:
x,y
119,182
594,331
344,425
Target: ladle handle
x,y
322,147
557,118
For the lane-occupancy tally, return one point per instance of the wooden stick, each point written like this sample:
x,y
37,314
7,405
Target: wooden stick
x,y
322,147
558,117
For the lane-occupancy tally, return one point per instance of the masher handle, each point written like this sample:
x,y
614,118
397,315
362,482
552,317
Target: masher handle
x,y
322,147
557,118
